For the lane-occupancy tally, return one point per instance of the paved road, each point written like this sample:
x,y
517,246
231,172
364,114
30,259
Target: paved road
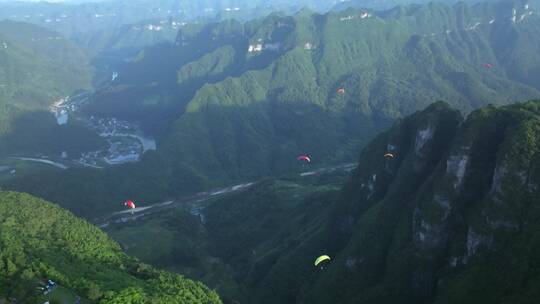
x,y
139,212
43,161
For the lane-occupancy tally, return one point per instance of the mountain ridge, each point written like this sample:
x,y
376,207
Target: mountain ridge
x,y
446,220
40,240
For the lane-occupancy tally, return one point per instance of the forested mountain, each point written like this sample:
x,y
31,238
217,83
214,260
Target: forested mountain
x,y
39,67
36,67
453,213
233,102
440,208
95,19
96,24
452,217
237,100
39,241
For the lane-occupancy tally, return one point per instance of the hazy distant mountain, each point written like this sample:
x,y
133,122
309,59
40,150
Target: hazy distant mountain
x,y
77,19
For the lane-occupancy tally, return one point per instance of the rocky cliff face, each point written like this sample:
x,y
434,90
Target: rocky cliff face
x,y
455,211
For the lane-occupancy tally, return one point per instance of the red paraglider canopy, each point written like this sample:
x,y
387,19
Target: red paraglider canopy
x,y
341,90
304,158
130,204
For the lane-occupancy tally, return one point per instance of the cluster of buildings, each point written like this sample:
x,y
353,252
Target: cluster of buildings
x,y
152,27
351,17
161,25
91,159
110,126
124,145
259,47
62,107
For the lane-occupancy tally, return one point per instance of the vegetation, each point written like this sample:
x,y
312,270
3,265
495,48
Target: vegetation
x,y
447,220
38,66
123,25
449,217
22,167
223,114
244,117
232,244
36,133
40,241
443,214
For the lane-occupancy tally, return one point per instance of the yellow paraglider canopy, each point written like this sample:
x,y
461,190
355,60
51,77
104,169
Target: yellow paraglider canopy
x,y
321,258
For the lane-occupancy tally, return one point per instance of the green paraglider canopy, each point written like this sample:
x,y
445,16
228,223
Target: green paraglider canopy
x,y
321,259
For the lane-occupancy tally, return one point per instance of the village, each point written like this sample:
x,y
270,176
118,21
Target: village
x,y
126,142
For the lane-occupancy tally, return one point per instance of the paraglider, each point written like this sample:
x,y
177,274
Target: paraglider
x,y
487,65
304,158
389,155
321,259
341,90
131,205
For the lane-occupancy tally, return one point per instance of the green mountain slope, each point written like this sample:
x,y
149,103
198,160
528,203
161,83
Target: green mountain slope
x,y
238,237
37,66
371,52
452,218
442,214
277,100
41,241
449,210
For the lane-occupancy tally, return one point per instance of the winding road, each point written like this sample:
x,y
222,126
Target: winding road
x,y
43,161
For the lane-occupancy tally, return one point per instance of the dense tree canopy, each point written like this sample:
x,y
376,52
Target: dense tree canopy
x,y
39,240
